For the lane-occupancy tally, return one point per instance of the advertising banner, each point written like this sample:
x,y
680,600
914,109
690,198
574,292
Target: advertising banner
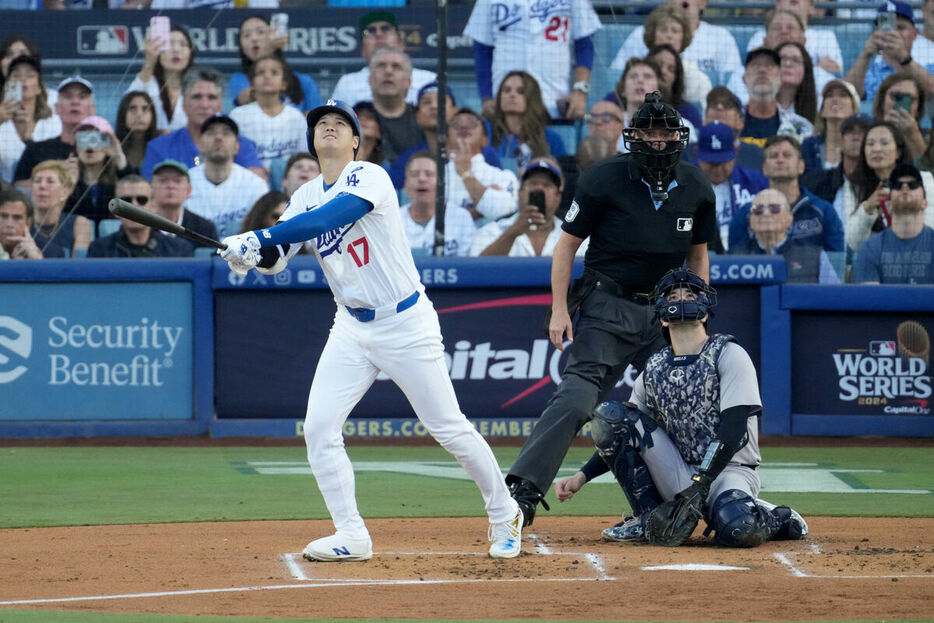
x,y
861,363
501,364
111,351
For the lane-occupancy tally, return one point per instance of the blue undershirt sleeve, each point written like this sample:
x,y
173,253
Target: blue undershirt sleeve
x,y
339,211
583,52
483,65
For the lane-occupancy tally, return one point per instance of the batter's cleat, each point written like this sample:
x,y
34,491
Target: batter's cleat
x,y
506,537
527,496
793,527
336,548
629,529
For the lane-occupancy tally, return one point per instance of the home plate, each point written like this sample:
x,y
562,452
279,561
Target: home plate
x,y
695,567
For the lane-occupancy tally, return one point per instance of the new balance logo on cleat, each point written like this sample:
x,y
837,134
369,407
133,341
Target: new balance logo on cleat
x,y
336,548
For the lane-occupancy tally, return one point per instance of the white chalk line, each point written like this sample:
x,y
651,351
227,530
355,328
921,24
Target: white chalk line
x,y
795,571
277,587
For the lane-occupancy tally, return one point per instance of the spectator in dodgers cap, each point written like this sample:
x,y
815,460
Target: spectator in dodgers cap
x,y
378,29
75,103
893,48
733,185
534,230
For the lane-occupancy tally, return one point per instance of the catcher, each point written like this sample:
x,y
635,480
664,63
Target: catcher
x,y
687,447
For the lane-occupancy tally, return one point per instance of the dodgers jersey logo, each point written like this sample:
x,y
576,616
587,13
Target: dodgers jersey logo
x,y
330,241
543,8
506,15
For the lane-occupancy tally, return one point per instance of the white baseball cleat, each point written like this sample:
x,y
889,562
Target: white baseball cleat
x,y
336,548
506,537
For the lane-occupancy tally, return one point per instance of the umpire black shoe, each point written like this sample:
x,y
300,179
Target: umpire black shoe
x,y
527,496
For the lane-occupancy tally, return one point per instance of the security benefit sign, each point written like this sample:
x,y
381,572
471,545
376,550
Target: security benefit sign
x,y
100,351
861,363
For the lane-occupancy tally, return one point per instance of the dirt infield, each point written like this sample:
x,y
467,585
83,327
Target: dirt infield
x,y
437,568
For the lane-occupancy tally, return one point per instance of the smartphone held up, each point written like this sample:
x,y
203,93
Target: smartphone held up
x,y
159,27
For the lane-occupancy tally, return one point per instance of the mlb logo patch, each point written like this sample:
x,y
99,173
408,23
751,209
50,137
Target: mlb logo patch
x,y
882,348
572,212
103,40
685,224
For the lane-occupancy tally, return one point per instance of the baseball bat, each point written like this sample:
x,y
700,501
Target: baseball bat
x,y
119,207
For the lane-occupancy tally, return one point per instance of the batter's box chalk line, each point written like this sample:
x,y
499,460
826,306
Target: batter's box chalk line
x,y
296,566
798,572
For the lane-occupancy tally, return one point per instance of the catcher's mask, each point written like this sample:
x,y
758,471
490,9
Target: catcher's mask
x,y
676,312
656,165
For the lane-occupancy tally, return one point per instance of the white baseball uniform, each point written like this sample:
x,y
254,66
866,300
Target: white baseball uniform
x,y
500,199
537,37
369,269
355,86
227,203
712,47
521,246
279,137
819,42
459,230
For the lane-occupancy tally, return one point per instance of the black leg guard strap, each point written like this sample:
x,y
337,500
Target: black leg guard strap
x,y
527,496
619,444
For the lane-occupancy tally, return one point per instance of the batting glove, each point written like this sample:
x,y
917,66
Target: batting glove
x,y
242,252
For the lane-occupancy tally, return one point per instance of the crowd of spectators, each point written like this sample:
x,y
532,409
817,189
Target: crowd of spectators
x,y
826,164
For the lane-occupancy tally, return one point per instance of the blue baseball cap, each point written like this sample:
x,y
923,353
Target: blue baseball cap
x,y
543,165
432,87
899,8
715,143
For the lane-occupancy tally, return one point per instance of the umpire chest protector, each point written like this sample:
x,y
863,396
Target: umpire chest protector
x,y
684,395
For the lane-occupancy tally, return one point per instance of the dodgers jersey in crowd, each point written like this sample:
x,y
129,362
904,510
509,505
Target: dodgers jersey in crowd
x,y
536,36
368,262
225,204
278,137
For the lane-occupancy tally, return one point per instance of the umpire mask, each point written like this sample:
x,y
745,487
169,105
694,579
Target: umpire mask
x,y
657,165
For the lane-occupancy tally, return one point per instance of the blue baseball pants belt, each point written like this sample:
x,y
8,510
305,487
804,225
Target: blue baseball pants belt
x,y
365,314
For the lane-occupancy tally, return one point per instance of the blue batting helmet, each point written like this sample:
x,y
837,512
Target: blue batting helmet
x,y
335,106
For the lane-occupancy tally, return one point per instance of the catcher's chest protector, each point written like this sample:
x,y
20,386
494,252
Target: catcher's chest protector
x,y
686,398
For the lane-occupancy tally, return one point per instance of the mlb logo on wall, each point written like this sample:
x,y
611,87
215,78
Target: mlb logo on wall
x,y
882,348
103,40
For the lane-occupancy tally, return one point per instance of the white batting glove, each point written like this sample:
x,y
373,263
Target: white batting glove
x,y
242,252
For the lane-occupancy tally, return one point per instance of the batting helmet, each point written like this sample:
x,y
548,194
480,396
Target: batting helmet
x,y
335,106
683,311
656,165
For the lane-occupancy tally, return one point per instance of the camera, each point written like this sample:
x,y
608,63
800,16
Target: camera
x,y
90,139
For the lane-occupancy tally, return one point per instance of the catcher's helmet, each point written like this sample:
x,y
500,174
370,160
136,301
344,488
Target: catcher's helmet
x,y
335,106
656,165
674,312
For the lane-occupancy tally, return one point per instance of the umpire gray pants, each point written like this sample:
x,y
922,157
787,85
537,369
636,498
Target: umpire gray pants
x,y
611,333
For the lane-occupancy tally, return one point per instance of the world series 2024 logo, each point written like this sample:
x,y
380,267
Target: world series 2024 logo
x,y
893,374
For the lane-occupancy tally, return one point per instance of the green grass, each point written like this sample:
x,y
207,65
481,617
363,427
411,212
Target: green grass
x,y
99,485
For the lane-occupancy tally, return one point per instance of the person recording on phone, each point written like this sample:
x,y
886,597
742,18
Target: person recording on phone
x,y
534,230
893,46
900,101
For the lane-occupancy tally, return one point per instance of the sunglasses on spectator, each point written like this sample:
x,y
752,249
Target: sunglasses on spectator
x,y
137,199
601,118
760,208
911,184
374,30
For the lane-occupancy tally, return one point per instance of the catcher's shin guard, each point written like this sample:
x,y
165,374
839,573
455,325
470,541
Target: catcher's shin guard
x,y
527,496
739,522
619,443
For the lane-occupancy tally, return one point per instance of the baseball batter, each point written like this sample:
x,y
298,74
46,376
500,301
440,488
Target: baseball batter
x,y
384,322
536,37
690,433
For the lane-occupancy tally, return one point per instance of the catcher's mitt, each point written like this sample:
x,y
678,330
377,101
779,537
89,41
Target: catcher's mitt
x,y
672,522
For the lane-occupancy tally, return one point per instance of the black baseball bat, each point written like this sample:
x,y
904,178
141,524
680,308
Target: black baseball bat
x,y
119,207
